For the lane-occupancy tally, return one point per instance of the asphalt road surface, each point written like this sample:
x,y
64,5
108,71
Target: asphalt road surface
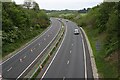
x,y
18,65
72,60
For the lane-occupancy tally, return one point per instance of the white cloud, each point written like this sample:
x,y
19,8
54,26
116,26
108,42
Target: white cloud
x,y
64,4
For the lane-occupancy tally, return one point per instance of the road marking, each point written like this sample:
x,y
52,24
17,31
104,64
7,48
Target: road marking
x,y
68,62
84,57
39,44
0,76
38,56
20,60
9,69
24,57
54,56
27,45
31,50
63,78
70,51
72,44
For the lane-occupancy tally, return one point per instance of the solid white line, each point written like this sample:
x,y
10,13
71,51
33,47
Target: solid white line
x,y
9,69
94,69
54,55
68,62
38,55
84,57
27,45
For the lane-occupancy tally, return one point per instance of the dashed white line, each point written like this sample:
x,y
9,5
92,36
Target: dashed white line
x,y
31,50
68,62
39,44
70,51
27,45
9,69
63,78
72,44
37,56
20,60
24,57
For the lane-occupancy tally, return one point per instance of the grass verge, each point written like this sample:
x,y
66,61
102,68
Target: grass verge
x,y
105,68
21,44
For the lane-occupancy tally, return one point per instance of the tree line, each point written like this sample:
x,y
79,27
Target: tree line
x,y
19,25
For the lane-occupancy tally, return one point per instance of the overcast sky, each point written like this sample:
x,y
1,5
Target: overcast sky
x,y
64,4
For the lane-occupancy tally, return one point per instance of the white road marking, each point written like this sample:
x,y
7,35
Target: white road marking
x,y
26,46
31,50
20,60
72,44
63,78
38,56
24,57
9,69
39,44
70,51
0,76
68,62
34,49
54,56
84,57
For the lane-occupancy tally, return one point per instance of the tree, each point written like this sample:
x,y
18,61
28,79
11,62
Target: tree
x,y
28,3
35,6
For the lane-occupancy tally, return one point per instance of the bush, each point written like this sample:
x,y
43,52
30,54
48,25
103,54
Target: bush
x,y
20,24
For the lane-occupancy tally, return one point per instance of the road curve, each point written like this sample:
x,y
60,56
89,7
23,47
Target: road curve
x,y
20,64
72,58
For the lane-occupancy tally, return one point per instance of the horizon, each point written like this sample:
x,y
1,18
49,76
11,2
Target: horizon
x,y
54,4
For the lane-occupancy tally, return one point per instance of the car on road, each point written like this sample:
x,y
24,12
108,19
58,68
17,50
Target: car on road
x,y
76,31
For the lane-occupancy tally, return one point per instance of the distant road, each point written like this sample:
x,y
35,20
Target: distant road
x,y
18,65
72,59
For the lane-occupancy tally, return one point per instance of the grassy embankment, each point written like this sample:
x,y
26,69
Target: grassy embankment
x,y
20,25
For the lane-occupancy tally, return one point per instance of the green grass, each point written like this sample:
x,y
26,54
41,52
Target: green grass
x,y
105,69
83,14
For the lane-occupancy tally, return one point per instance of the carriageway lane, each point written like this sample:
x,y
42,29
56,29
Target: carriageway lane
x,y
15,66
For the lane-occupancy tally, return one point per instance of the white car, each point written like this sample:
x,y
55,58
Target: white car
x,y
76,31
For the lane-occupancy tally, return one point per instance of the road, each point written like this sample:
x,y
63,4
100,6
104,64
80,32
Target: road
x,y
72,60
18,65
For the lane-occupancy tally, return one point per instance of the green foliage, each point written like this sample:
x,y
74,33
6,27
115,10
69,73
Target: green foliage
x,y
19,25
105,20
